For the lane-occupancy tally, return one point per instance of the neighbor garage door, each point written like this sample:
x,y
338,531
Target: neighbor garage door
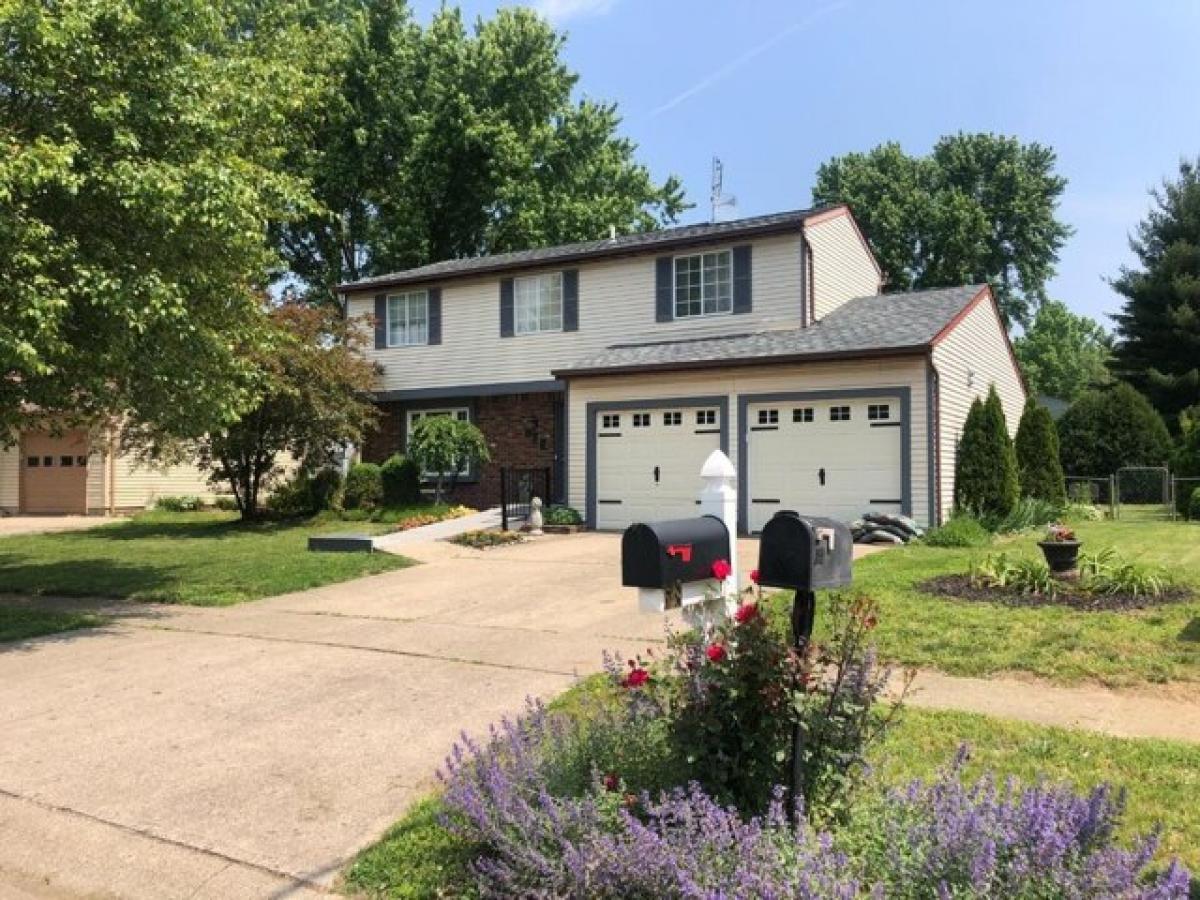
x,y
837,458
54,472
648,462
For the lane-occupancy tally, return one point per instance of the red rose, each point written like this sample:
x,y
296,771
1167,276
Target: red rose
x,y
716,653
754,575
611,782
721,569
745,613
636,678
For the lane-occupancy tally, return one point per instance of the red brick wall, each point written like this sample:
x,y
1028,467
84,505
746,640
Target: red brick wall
x,y
519,428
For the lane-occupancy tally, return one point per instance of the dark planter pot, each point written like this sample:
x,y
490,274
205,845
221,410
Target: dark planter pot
x,y
1061,556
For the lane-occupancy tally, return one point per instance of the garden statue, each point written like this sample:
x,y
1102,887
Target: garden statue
x,y
535,516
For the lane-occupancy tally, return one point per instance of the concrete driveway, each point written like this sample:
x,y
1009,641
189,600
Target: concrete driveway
x,y
251,751
39,524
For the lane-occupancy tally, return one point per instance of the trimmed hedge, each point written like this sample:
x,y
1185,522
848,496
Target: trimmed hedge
x,y
364,487
401,479
985,477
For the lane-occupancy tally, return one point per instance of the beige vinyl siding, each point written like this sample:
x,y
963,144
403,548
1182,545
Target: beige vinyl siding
x,y
735,381
97,481
616,305
969,359
843,267
10,478
138,484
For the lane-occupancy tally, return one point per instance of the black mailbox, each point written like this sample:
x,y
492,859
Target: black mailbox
x,y
663,554
805,553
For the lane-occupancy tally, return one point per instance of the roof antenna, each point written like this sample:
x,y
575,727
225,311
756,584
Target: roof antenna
x,y
718,197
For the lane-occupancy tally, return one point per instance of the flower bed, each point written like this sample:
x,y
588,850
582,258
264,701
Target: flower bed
x,y
664,783
963,587
485,540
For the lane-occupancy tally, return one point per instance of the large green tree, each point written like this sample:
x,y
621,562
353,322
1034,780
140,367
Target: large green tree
x,y
140,150
446,141
1158,328
1063,354
1110,428
979,207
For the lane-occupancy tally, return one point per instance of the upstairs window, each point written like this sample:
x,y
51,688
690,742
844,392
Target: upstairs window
x,y
538,303
408,319
704,284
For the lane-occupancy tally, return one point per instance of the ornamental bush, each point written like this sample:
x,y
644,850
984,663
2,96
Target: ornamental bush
x,y
401,480
1107,429
985,478
1038,465
1194,506
363,488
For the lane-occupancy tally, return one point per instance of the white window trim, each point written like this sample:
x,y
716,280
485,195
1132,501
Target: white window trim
x,y
462,413
555,278
675,285
387,314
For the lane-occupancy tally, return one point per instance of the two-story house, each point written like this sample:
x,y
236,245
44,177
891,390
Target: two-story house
x,y
622,363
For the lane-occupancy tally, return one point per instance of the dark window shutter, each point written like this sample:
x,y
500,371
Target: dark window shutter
x,y
743,301
506,307
664,295
570,300
435,315
380,321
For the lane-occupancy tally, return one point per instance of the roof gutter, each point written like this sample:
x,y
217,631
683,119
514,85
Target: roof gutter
x,y
692,365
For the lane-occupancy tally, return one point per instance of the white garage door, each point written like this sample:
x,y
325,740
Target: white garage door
x,y
648,462
837,458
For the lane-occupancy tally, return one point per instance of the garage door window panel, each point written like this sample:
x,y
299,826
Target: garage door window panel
x,y
839,414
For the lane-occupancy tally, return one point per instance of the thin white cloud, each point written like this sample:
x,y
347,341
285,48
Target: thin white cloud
x,y
733,65
558,11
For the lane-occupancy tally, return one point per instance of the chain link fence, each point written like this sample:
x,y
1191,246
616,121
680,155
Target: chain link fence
x,y
1144,493
1093,491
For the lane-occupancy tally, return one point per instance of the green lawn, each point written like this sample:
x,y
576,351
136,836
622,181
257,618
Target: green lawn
x,y
970,638
200,558
20,622
417,858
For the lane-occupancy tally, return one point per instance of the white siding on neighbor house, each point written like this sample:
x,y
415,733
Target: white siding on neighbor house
x,y
842,266
969,359
616,305
10,478
138,484
731,382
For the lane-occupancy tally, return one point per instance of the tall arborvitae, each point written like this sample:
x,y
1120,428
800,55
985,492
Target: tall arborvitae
x,y
1038,465
986,470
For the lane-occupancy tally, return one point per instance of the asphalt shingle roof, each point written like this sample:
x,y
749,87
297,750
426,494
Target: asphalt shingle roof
x,y
883,323
647,241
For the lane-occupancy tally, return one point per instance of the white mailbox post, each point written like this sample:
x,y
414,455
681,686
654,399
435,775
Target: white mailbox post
x,y
718,497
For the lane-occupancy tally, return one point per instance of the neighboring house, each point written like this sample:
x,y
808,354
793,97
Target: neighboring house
x,y
622,363
72,473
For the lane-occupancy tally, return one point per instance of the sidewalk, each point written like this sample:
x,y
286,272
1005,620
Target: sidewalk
x,y
438,531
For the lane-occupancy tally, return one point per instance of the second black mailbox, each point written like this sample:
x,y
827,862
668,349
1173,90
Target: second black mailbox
x,y
805,553
663,554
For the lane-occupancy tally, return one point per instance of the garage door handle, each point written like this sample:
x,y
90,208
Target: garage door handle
x,y
656,474
821,476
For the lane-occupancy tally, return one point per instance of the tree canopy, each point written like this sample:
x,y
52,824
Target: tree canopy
x,y
1158,328
446,141
141,160
1063,354
978,208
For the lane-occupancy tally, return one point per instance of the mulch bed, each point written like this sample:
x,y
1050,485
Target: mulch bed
x,y
959,587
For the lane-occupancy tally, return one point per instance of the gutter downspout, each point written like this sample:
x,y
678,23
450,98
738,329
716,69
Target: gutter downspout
x,y
803,278
935,443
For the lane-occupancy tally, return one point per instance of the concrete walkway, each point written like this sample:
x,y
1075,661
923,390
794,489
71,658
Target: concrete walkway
x,y
251,751
397,541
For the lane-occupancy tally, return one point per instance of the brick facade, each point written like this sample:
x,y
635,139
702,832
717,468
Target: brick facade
x,y
521,432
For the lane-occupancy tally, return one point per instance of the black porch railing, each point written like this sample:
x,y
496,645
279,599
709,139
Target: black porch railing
x,y
518,487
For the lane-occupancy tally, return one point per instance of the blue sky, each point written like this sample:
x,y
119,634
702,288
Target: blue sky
x,y
775,88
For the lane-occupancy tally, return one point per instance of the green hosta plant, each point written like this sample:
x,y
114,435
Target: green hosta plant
x,y
1131,579
1026,576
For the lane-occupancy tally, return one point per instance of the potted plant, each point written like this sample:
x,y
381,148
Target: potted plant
x,y
1061,549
